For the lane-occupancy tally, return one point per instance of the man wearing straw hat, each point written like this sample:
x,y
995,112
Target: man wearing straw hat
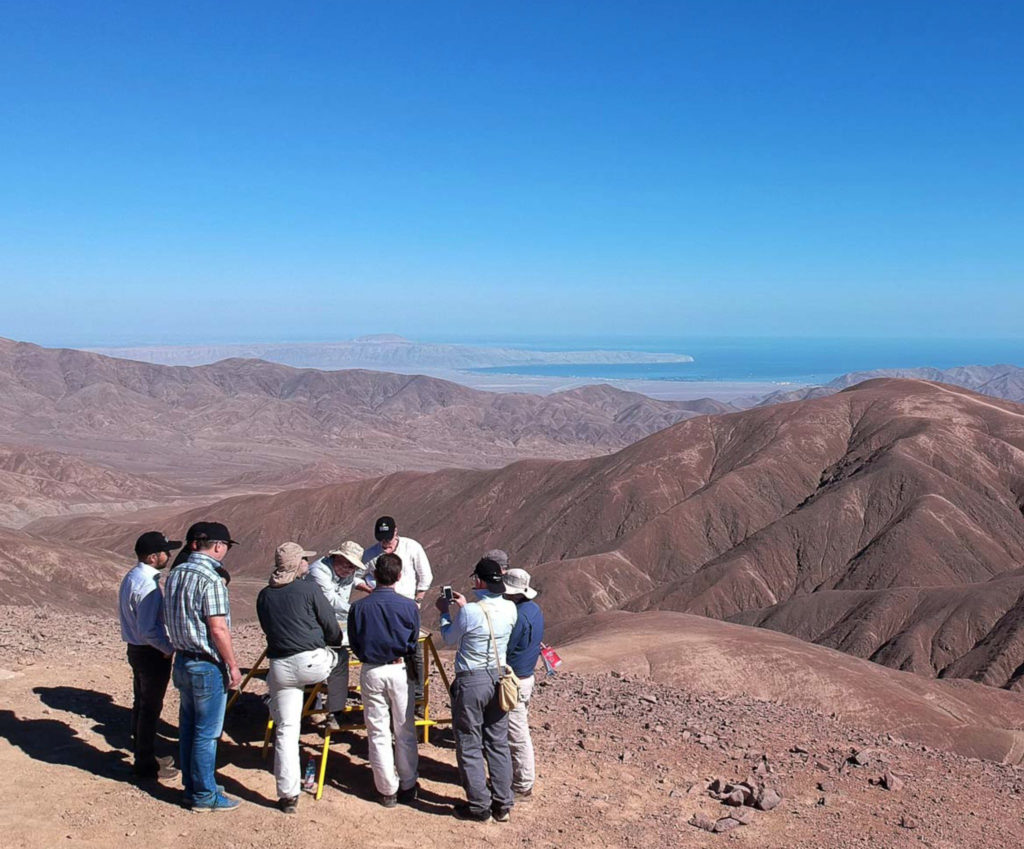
x,y
298,623
335,574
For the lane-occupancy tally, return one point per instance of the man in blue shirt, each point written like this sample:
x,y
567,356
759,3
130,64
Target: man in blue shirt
x,y
383,631
481,630
140,609
523,652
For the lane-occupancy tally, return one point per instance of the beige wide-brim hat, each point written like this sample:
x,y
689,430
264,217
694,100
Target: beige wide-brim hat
x,y
517,582
290,554
351,551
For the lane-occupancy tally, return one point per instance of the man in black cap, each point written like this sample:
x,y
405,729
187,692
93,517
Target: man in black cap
x,y
414,582
198,619
481,630
140,609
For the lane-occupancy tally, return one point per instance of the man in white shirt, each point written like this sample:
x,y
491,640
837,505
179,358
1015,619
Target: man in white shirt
x,y
414,582
140,608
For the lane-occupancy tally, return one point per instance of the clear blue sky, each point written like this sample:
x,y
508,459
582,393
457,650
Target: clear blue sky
x,y
316,170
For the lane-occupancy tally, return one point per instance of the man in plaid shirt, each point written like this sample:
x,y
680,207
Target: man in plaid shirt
x,y
198,619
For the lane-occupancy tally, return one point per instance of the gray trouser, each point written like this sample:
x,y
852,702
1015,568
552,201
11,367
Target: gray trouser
x,y
337,684
481,733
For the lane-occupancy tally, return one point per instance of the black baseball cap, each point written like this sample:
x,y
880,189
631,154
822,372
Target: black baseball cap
x,y
153,542
489,571
210,531
384,529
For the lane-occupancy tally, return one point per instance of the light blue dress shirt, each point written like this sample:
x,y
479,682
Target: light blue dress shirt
x,y
468,630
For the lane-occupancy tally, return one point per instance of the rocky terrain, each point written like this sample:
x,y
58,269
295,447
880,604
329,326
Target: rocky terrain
x,y
381,351
623,761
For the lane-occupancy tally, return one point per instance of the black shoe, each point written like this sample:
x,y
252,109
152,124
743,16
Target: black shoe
x,y
331,725
408,796
500,814
289,804
464,812
388,801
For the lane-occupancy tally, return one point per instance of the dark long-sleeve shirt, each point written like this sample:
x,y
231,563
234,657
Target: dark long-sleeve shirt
x,y
296,617
524,644
383,626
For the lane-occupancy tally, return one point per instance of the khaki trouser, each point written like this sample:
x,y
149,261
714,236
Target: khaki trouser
x,y
519,743
388,706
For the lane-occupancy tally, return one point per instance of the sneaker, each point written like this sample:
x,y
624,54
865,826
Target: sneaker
x,y
524,794
188,802
408,796
222,804
331,725
500,814
388,801
288,804
464,812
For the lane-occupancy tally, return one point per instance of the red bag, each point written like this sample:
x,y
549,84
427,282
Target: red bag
x,y
551,659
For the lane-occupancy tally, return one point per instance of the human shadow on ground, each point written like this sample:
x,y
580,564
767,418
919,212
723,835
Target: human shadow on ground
x,y
55,742
112,720
348,772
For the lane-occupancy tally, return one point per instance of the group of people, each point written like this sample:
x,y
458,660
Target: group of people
x,y
312,625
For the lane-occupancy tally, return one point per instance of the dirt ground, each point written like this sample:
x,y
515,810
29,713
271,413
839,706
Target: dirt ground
x,y
621,762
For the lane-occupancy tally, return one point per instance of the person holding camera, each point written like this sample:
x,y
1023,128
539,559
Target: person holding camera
x,y
480,629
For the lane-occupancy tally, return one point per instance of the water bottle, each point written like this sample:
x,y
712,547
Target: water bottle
x,y
309,779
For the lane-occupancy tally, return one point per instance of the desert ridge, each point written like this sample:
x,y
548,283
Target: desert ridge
x,y
885,517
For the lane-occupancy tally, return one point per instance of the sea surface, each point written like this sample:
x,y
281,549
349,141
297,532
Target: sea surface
x,y
779,361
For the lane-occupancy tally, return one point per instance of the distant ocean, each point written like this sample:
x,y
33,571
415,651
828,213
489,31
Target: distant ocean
x,y
782,361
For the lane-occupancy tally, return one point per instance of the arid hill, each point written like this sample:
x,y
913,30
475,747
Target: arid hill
x,y
1000,381
241,421
884,521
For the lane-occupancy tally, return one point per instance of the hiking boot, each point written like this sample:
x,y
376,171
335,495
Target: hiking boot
x,y
408,796
464,812
524,794
331,725
221,805
500,814
161,768
388,801
288,804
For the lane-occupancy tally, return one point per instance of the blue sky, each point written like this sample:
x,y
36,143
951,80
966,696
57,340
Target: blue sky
x,y
309,171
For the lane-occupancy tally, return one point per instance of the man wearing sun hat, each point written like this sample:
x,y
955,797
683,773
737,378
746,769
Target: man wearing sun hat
x,y
299,624
335,574
140,608
523,652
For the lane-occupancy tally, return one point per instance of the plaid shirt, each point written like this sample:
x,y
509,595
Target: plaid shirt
x,y
193,592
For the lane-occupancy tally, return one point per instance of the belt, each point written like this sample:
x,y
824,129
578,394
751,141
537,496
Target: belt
x,y
465,673
387,662
198,655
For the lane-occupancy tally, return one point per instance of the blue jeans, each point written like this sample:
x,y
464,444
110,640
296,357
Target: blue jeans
x,y
204,696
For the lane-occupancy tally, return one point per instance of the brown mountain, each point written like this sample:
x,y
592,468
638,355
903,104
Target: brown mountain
x,y
884,521
249,420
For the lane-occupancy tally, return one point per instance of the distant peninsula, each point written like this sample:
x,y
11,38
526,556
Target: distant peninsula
x,y
383,351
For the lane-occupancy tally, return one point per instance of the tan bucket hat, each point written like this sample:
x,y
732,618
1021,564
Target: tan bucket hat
x,y
351,551
290,554
517,582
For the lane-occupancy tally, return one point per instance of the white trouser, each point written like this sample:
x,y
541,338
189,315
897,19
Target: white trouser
x,y
387,704
519,742
288,676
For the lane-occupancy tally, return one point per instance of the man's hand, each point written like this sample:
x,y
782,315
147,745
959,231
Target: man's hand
x,y
234,677
458,599
441,604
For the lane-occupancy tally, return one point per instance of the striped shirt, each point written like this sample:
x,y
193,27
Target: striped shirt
x,y
194,592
